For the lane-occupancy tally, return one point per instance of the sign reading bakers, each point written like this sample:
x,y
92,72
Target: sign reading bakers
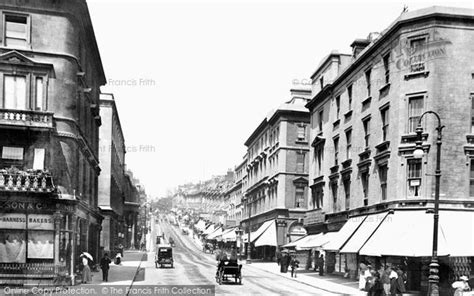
x,y
40,222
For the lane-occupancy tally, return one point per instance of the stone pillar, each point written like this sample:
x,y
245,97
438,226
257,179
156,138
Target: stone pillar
x,y
57,234
73,247
88,225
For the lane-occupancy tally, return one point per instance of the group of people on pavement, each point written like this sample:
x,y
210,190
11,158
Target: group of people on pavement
x,y
285,261
387,281
105,262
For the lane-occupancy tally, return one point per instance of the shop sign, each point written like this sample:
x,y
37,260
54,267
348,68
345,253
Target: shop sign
x,y
22,205
34,206
20,221
12,221
314,217
298,231
40,222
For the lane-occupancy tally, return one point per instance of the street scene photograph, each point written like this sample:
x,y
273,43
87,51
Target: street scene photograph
x,y
237,147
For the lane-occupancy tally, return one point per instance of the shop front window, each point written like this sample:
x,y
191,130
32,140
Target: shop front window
x,y
40,244
26,238
12,246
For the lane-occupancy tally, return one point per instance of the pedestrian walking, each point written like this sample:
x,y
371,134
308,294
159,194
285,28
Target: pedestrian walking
x,y
315,259
385,279
369,279
105,266
283,262
393,282
118,259
362,268
278,256
461,286
321,265
400,282
86,271
287,263
376,288
294,264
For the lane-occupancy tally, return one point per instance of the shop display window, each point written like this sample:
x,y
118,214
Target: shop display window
x,y
12,246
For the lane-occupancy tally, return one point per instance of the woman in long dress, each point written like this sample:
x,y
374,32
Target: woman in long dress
x,y
86,271
362,279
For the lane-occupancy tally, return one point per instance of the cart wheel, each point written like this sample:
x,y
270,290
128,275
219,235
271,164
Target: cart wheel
x,y
240,280
172,265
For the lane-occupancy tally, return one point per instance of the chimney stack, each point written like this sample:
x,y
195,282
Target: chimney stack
x,y
357,46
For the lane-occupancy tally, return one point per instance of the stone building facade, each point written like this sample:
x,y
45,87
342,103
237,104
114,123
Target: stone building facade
x,y
112,181
233,197
277,173
50,72
131,213
364,112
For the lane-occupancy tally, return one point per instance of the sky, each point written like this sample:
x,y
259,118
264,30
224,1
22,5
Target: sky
x,y
193,79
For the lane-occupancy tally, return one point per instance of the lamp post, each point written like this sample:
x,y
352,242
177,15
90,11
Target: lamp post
x,y
239,233
418,153
249,249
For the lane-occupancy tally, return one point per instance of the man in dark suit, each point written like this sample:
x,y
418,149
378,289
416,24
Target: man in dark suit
x,y
105,266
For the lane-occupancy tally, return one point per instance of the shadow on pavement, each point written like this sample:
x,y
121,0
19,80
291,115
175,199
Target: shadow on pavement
x,y
140,277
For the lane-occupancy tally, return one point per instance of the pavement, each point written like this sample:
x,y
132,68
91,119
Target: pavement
x,y
330,283
124,274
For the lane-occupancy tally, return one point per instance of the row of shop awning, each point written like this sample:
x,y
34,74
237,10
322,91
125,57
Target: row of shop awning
x,y
311,241
399,233
221,234
212,232
215,233
265,235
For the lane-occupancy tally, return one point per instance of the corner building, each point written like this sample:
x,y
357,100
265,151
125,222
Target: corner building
x,y
367,190
50,74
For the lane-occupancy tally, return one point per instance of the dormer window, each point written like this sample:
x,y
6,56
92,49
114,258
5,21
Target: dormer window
x,y
16,30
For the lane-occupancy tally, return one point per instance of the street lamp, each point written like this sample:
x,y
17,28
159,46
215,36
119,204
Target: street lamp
x,y
418,153
249,260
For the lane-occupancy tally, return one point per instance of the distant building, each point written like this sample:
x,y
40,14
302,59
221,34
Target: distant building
x,y
233,197
50,73
277,176
131,213
112,181
365,182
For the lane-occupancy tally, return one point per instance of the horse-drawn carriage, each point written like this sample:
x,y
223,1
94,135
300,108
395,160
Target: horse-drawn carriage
x,y
164,256
229,269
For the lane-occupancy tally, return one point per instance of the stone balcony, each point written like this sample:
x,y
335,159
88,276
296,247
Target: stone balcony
x,y
26,181
26,119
